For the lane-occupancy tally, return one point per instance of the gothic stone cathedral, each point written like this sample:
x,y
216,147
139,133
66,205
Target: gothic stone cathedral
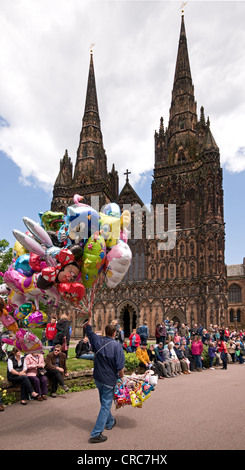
x,y
187,282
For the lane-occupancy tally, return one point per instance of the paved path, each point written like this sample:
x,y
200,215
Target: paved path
x,y
201,411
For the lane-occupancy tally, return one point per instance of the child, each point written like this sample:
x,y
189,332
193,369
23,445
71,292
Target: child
x,y
211,353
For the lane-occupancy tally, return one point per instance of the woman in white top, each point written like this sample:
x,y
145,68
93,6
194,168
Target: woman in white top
x,y
174,358
16,373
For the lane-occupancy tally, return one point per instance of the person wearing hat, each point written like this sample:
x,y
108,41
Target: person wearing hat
x,y
142,354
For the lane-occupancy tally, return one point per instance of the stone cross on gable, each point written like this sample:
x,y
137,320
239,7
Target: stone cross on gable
x,y
127,173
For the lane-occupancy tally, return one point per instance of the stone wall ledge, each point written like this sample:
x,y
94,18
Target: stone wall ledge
x,y
10,387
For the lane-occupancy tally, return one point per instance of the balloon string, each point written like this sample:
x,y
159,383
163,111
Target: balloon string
x,y
86,304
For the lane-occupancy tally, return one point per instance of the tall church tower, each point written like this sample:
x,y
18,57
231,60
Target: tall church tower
x,y
187,173
91,177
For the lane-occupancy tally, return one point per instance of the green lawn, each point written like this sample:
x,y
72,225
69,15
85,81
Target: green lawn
x,y
72,363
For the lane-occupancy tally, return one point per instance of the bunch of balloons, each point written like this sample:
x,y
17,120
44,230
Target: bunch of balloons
x,y
23,340
66,258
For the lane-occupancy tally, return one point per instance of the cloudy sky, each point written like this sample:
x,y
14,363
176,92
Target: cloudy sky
x,y
44,61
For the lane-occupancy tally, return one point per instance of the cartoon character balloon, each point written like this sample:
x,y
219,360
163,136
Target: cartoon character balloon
x,y
51,221
25,341
19,250
93,259
113,224
28,289
81,222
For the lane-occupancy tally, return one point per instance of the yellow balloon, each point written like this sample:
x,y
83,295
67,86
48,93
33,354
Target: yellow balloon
x,y
19,250
110,229
125,219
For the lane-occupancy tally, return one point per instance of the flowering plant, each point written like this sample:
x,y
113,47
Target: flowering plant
x,y
3,391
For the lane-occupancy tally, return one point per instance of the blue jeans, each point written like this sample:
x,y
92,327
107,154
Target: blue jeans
x,y
105,418
198,361
51,343
87,356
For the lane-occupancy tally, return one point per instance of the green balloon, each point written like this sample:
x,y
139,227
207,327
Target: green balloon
x,y
23,311
94,256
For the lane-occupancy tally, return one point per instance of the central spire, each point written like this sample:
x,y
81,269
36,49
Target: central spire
x,y
91,104
91,156
182,116
91,131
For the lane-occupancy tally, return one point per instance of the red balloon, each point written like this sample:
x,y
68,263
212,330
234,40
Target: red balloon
x,y
71,291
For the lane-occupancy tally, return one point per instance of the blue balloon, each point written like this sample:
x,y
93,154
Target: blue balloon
x,y
112,209
22,265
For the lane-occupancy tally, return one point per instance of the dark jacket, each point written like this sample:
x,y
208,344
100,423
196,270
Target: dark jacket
x,y
11,376
162,330
143,331
62,327
179,353
108,357
50,361
211,351
82,348
159,354
152,354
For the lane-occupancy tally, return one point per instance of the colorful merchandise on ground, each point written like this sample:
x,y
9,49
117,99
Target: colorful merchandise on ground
x,y
134,389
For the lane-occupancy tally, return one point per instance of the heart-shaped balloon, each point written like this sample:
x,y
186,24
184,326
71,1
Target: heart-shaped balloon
x,y
71,291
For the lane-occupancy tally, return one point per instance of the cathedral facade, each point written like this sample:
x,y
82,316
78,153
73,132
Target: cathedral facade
x,y
178,273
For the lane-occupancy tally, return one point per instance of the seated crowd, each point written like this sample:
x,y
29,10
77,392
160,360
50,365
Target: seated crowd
x,y
180,349
176,350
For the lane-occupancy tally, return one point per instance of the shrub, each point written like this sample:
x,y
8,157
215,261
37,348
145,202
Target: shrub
x,y
9,398
205,356
131,361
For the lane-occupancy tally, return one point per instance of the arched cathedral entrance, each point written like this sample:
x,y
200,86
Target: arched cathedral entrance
x,y
127,317
176,316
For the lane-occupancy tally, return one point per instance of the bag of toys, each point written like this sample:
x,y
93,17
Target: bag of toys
x,y
134,389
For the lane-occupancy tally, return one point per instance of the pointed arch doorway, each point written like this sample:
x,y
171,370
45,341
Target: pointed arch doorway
x,y
127,316
176,316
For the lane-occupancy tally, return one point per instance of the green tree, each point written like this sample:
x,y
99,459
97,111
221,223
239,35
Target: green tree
x,y
6,256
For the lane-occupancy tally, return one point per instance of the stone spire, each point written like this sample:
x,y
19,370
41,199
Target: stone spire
x,y
64,177
182,116
91,158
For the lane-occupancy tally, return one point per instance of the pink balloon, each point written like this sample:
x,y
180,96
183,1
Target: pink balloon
x,y
7,321
25,341
124,235
36,318
28,342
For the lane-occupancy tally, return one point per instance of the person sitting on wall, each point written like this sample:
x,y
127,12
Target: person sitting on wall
x,y
142,354
83,349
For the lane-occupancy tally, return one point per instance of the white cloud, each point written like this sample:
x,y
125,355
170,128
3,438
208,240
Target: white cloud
x,y
44,68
